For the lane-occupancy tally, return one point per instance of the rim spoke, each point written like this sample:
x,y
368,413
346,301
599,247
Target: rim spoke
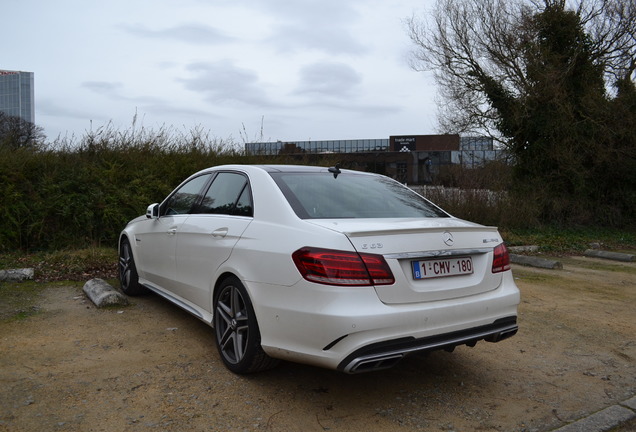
x,y
224,312
236,302
226,338
239,346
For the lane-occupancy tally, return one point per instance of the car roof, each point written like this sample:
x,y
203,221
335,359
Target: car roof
x,y
291,168
285,168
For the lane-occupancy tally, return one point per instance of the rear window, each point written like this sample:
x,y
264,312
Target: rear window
x,y
321,196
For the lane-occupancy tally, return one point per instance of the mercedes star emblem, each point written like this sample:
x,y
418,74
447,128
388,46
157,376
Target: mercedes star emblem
x,y
448,238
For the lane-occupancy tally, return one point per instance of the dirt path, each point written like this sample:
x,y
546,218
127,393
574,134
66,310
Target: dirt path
x,y
151,366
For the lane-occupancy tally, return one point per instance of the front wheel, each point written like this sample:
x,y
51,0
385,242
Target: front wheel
x,y
128,277
238,338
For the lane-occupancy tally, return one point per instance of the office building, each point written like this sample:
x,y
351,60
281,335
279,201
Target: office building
x,y
17,95
412,159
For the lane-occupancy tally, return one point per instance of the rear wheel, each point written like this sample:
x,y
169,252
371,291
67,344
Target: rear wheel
x,y
238,338
128,277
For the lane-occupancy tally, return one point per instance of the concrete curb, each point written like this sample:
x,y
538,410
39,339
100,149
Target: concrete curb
x,y
103,294
16,275
614,256
535,262
604,420
522,249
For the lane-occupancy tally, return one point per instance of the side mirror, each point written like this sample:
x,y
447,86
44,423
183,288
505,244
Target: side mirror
x,y
152,212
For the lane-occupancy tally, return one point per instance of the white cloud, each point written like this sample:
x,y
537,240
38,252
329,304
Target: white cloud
x,y
294,38
319,69
224,82
335,80
191,33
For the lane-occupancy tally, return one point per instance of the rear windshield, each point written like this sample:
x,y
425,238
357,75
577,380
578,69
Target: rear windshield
x,y
321,196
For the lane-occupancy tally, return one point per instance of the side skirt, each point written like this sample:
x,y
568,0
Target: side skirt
x,y
199,313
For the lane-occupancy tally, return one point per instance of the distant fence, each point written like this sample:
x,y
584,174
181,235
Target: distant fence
x,y
452,194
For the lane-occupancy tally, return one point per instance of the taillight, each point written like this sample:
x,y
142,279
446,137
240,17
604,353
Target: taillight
x,y
501,259
333,267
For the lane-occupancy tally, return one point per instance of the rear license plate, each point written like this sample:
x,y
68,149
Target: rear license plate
x,y
434,268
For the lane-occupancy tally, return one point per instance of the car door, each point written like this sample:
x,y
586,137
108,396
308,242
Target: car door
x,y
207,237
158,241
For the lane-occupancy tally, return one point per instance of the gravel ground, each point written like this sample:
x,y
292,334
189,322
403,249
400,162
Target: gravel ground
x,y
151,366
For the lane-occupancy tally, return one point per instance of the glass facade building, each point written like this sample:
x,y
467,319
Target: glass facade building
x,y
17,94
318,147
411,159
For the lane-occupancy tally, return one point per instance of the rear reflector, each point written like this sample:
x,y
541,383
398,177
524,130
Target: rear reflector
x,y
501,259
333,267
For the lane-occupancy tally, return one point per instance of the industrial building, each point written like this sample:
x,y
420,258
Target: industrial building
x,y
413,159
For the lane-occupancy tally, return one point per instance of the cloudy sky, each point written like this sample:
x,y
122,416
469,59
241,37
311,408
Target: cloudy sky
x,y
303,69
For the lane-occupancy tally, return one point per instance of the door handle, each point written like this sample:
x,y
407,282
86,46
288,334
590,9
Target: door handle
x,y
172,231
221,232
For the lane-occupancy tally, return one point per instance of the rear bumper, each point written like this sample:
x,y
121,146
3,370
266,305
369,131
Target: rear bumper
x,y
352,331
384,355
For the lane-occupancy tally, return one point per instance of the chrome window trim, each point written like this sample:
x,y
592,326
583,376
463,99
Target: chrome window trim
x,y
438,253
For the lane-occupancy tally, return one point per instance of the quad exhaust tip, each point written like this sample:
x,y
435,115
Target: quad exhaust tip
x,y
386,360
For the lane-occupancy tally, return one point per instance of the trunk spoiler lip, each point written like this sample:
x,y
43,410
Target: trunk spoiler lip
x,y
417,231
375,227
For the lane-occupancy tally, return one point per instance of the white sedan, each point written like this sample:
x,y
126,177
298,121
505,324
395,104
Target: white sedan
x,y
334,268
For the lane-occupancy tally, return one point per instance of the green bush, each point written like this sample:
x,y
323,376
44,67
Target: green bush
x,y
79,194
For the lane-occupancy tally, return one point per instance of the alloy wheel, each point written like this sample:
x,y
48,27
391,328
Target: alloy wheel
x,y
125,268
231,324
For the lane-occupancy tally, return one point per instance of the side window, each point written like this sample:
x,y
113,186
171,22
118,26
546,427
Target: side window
x,y
228,194
181,201
244,204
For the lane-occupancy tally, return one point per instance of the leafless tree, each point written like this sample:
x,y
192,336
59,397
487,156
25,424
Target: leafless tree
x,y
18,133
466,43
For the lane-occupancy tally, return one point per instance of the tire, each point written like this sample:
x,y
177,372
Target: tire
x,y
238,338
128,277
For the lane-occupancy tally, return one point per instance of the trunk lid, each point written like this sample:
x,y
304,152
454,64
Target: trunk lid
x,y
431,259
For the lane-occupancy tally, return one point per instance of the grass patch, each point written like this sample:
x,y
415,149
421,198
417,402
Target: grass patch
x,y
87,263
66,265
18,300
571,241
533,276
600,266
